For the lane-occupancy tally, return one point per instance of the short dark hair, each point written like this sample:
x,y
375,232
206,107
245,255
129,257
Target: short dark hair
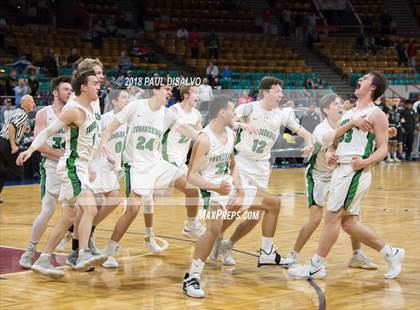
x,y
379,81
216,104
81,78
55,82
114,94
325,101
268,81
163,81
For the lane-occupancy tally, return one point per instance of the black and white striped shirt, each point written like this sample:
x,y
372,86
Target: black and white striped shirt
x,y
19,119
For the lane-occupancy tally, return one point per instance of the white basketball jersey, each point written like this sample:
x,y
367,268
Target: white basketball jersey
x,y
317,159
258,147
80,141
217,168
175,146
145,130
57,140
356,142
116,143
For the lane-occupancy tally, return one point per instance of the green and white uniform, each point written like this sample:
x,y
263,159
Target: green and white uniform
x,y
175,146
348,186
318,173
217,170
253,151
145,168
50,181
107,175
72,168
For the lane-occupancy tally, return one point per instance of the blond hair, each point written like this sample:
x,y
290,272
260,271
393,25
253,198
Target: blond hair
x,y
89,63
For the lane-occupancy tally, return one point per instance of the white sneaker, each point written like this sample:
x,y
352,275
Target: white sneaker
x,y
397,160
272,259
87,260
292,258
193,231
27,259
110,263
389,160
307,271
215,250
395,263
191,286
227,257
44,266
150,243
361,261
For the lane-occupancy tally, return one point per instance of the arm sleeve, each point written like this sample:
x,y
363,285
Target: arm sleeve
x,y
43,136
124,115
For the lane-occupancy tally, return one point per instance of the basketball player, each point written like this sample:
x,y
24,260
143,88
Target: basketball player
x,y
318,177
146,171
213,169
351,179
81,127
51,151
106,185
175,146
253,153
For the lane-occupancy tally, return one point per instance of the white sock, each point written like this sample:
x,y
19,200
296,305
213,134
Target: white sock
x,y
358,252
196,267
266,244
295,254
149,231
394,155
41,221
317,260
387,251
31,247
229,243
111,247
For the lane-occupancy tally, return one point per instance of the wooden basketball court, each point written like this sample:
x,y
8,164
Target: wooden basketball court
x,y
392,208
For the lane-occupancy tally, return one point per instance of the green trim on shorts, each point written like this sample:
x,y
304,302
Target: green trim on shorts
x,y
43,177
70,162
205,195
351,193
127,180
310,180
165,145
237,141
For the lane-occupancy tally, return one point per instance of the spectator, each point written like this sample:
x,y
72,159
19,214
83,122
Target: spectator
x,y
3,82
182,33
143,52
33,84
287,20
193,39
308,84
74,58
310,119
124,62
312,20
267,18
411,54
22,64
227,73
111,29
205,92
408,123
299,26
213,45
244,98
51,63
8,109
319,84
97,32
385,21
402,54
3,26
361,43
11,83
212,72
21,90
216,84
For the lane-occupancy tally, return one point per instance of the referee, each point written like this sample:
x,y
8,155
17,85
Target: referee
x,y
10,137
